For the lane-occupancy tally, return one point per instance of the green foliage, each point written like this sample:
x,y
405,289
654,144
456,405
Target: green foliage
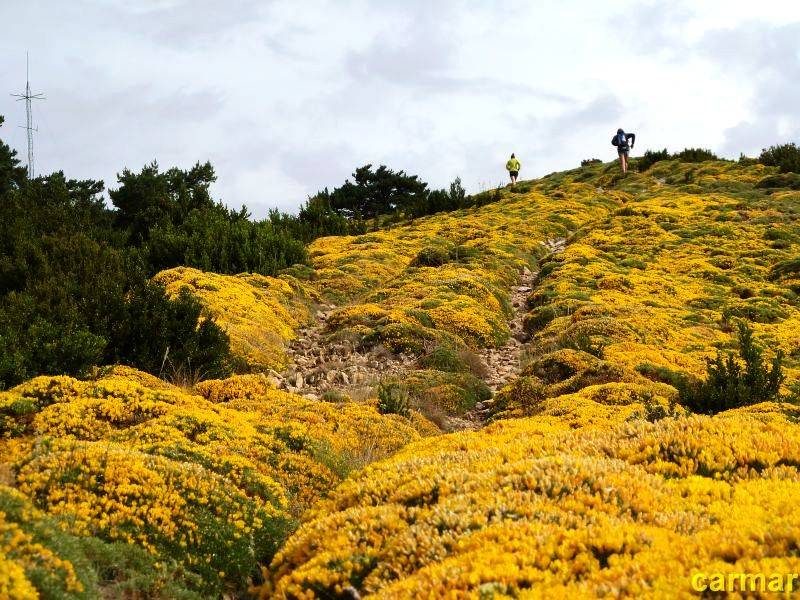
x,y
334,396
434,255
651,157
694,155
393,398
582,341
378,192
173,219
733,382
74,290
786,157
781,180
786,268
688,155
587,162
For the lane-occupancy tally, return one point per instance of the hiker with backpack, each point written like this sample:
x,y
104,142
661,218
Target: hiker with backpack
x,y
621,142
513,167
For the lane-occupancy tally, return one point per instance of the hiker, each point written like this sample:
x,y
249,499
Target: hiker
x,y
513,168
621,142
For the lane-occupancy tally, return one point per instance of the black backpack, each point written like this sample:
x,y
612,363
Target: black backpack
x,y
619,140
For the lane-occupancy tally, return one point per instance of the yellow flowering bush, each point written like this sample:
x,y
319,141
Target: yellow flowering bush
x,y
528,508
394,299
210,480
259,313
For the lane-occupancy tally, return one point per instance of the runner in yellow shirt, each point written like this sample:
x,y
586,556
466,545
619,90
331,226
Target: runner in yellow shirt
x,y
513,167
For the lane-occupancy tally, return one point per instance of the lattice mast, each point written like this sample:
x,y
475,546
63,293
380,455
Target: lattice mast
x,y
29,97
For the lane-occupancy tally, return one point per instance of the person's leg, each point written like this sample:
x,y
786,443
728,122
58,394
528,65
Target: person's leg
x,y
623,159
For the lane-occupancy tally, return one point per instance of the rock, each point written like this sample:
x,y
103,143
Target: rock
x,y
298,381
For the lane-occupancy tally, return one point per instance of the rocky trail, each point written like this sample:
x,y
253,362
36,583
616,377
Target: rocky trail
x,y
503,363
317,365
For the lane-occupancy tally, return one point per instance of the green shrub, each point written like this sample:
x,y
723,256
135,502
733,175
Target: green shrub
x,y
588,162
695,155
782,180
334,396
786,157
786,268
393,398
443,358
733,382
651,157
538,318
432,256
666,375
582,341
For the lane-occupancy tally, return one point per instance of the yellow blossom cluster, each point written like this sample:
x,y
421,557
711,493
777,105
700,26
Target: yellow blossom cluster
x,y
399,298
211,479
259,313
23,559
657,287
529,508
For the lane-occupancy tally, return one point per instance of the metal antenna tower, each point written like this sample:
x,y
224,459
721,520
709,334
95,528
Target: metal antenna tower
x,y
27,96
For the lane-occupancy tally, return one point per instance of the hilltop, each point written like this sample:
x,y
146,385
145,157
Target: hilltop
x,y
498,401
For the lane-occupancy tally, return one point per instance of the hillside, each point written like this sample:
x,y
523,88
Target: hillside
x,y
367,452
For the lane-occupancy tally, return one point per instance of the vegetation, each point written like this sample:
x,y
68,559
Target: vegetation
x,y
785,156
393,399
688,155
75,275
129,483
74,295
590,475
732,383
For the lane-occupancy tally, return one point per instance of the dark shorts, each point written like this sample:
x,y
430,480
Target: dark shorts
x,y
623,152
513,173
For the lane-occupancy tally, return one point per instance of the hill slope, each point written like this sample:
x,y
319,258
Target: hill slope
x,y
585,478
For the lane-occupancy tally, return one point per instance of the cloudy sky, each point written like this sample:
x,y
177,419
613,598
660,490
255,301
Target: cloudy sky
x,y
287,97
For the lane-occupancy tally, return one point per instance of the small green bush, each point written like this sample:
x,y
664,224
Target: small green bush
x,y
432,256
782,180
731,382
334,396
582,341
587,162
443,358
393,398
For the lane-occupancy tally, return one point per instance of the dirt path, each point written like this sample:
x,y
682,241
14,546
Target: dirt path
x,y
504,363
318,366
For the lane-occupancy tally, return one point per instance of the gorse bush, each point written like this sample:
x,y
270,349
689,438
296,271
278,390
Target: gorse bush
x,y
786,157
733,382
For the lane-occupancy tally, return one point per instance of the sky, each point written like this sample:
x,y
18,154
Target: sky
x,y
286,98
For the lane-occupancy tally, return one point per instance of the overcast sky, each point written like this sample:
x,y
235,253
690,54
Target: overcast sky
x,y
288,97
